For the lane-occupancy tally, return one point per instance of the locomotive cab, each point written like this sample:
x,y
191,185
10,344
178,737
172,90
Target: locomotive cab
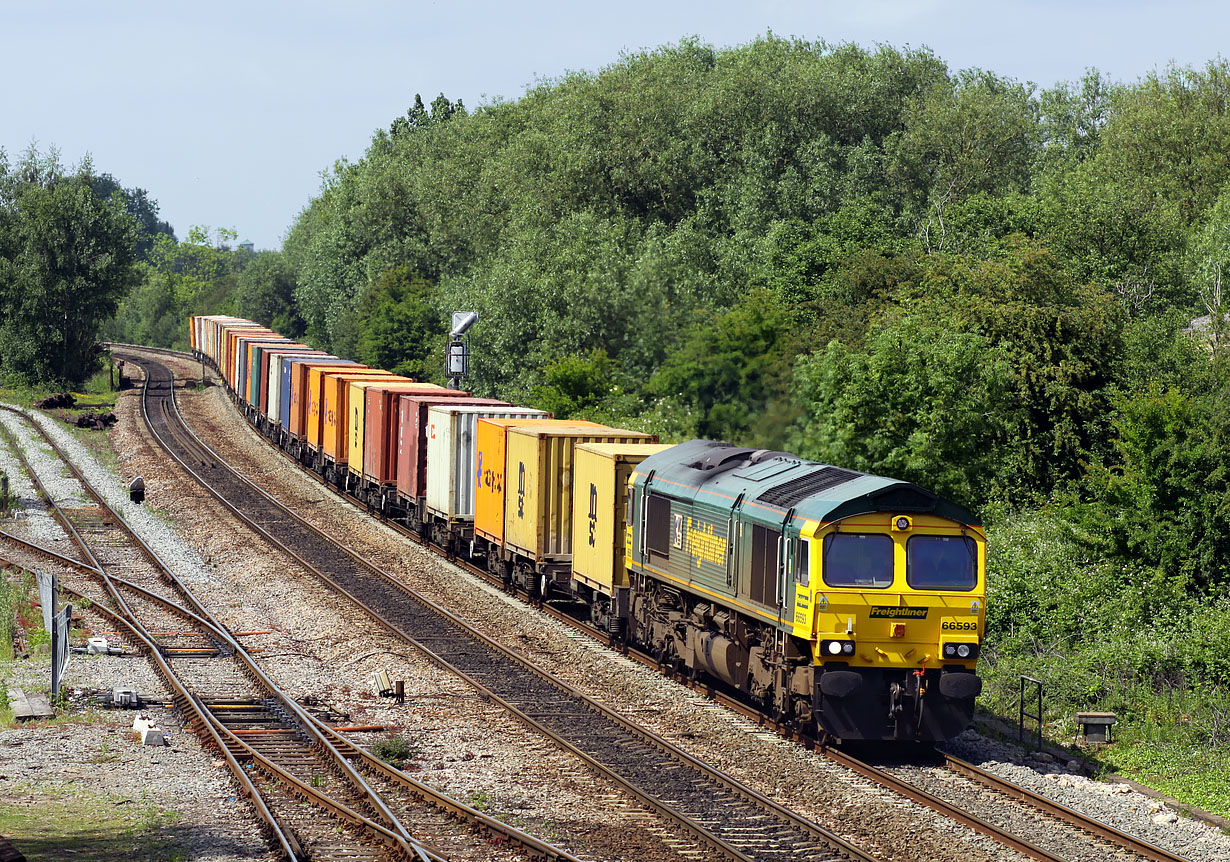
x,y
896,615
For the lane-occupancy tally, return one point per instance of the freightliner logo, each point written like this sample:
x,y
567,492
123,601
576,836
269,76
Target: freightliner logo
x,y
899,613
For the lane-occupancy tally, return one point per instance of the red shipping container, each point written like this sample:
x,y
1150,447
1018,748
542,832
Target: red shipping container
x,y
412,422
379,433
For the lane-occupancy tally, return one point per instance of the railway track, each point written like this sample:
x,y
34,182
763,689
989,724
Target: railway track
x,y
1076,836
281,755
721,814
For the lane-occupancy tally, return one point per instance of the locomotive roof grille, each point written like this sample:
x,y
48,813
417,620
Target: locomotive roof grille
x,y
794,491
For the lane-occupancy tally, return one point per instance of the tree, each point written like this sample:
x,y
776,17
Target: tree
x,y
140,206
399,326
733,372
985,379
68,261
1211,252
265,292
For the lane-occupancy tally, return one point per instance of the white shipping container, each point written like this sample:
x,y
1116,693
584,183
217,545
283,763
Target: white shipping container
x,y
451,455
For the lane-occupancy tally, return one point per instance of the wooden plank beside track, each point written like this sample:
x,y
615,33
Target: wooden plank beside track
x,y
29,707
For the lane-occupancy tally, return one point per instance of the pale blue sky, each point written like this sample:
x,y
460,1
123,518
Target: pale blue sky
x,y
227,112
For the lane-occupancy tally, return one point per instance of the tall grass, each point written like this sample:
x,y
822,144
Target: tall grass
x,y
9,597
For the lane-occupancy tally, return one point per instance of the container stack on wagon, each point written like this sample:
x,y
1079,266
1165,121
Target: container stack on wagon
x,y
849,603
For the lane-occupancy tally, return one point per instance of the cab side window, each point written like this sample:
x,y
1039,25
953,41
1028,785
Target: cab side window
x,y
802,562
658,525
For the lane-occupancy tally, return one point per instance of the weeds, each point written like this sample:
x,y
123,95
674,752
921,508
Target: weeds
x,y
396,751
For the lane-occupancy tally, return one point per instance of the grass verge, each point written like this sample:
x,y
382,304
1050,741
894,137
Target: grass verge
x,y
53,823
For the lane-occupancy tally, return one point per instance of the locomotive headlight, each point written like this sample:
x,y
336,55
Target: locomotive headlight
x,y
836,648
960,651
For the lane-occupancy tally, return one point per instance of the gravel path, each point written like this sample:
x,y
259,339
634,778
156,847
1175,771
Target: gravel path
x,y
1116,804
32,520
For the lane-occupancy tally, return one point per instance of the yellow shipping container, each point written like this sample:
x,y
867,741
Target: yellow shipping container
x,y
357,408
335,415
539,471
316,396
489,464
600,491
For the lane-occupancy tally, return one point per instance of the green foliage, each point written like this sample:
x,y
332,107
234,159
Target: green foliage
x,y
1165,499
399,326
910,404
66,260
264,292
983,379
10,596
179,279
732,372
140,206
587,387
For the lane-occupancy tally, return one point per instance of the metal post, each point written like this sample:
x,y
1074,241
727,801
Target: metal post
x,y
1036,716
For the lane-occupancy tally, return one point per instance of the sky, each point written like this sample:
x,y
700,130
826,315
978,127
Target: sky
x,y
228,112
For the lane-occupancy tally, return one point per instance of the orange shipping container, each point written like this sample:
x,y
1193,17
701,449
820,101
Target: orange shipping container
x,y
489,466
335,412
297,419
314,429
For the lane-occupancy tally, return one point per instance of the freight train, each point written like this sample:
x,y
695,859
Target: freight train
x,y
845,603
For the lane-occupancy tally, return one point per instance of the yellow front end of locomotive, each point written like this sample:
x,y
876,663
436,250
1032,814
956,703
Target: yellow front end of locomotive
x,y
893,591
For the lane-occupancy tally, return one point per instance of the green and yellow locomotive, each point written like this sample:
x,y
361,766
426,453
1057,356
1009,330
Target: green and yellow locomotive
x,y
833,597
